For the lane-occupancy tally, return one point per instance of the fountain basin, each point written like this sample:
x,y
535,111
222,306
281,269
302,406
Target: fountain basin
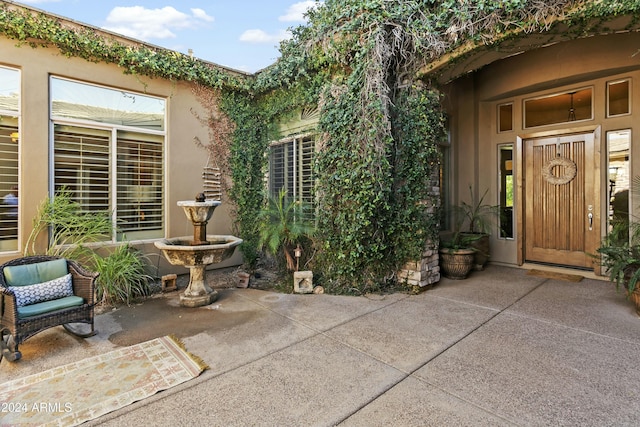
x,y
213,250
199,212
179,251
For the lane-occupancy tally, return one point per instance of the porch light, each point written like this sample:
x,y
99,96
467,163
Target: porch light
x,y
15,136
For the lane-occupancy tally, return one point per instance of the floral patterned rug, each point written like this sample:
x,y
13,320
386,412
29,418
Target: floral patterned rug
x,y
78,392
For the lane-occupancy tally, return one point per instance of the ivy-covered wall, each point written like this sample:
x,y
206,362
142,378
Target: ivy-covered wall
x,y
379,123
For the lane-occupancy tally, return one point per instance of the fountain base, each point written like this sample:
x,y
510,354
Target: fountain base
x,y
198,293
191,301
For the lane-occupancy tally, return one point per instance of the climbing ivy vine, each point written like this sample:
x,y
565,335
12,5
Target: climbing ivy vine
x,y
380,124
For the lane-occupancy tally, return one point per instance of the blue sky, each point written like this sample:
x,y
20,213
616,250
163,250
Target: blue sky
x,y
241,34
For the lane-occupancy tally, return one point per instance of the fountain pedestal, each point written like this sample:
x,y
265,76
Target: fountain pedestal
x,y
198,293
197,253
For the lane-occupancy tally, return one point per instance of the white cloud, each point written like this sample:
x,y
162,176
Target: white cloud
x,y
142,23
201,14
260,36
296,11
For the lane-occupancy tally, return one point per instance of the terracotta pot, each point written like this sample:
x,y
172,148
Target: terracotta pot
x,y
456,263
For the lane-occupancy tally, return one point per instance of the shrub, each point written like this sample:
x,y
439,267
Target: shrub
x,y
122,275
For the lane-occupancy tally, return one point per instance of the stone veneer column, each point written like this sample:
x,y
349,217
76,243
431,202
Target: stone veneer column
x,y
420,274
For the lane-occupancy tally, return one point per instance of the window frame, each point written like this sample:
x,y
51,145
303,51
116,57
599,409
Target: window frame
x,y
556,94
300,192
114,131
629,97
11,241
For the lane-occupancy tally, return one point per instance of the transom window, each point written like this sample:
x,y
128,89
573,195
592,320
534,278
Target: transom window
x,y
574,105
108,150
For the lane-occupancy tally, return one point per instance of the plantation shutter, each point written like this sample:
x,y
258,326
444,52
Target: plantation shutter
x,y
291,168
306,149
9,142
81,164
139,172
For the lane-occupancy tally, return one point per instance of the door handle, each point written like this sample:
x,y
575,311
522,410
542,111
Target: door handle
x,y
590,216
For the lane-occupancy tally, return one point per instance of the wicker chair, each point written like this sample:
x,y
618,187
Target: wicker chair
x,y
14,330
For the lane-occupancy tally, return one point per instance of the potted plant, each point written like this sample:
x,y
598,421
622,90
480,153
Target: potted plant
x,y
457,254
476,219
622,263
619,254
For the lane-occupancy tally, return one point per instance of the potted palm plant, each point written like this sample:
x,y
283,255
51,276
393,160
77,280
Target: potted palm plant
x,y
476,219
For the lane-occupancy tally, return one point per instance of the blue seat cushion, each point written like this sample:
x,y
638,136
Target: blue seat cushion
x,y
47,306
29,274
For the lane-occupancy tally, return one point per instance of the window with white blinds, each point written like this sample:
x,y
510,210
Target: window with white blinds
x,y
115,165
9,146
291,168
139,171
82,164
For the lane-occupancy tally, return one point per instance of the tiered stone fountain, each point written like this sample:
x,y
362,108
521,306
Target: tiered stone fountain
x,y
197,253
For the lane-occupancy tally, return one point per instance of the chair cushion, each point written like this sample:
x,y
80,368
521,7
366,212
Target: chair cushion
x,y
29,274
41,292
47,306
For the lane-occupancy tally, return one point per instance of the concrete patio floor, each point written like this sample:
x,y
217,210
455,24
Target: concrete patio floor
x,y
500,348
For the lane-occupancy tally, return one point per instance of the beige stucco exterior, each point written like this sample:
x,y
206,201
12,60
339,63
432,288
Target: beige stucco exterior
x,y
183,159
472,101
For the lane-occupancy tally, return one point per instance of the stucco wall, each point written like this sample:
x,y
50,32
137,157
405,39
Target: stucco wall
x,y
183,159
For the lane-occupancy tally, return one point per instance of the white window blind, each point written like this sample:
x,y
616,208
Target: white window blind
x,y
82,164
139,174
291,168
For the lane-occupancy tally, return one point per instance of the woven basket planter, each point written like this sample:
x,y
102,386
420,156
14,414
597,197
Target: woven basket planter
x,y
456,263
482,247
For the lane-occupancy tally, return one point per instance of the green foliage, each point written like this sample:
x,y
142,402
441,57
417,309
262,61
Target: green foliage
x,y
359,60
122,275
38,29
619,251
476,215
122,272
283,225
70,228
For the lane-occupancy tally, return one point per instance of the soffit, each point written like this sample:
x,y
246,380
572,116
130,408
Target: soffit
x,y
472,56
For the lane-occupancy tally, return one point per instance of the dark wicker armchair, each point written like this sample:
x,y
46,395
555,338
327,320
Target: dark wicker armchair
x,y
15,329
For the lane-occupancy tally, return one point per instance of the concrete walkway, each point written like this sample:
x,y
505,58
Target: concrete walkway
x,y
501,348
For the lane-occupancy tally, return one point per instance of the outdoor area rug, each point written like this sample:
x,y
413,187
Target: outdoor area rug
x,y
72,394
554,275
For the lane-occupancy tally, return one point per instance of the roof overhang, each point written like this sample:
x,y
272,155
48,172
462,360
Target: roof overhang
x,y
473,55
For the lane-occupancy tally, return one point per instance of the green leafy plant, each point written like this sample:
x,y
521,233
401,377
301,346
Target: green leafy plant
x,y
283,226
476,215
69,226
619,251
361,62
122,275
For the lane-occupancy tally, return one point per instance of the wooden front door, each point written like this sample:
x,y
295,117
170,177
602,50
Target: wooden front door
x,y
562,207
